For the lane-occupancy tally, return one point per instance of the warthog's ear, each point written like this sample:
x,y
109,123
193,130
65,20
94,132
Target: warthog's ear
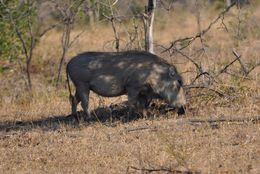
x,y
172,71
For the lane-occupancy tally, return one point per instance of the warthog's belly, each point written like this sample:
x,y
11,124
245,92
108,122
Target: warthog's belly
x,y
108,86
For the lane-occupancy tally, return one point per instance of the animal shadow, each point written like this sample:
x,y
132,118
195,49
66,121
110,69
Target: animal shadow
x,y
105,115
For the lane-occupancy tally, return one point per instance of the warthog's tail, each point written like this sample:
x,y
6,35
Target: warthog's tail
x,y
68,83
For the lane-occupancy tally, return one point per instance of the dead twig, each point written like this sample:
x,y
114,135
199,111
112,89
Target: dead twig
x,y
161,170
240,61
205,87
190,59
251,69
76,37
47,30
255,119
198,76
113,20
238,76
131,129
226,66
165,5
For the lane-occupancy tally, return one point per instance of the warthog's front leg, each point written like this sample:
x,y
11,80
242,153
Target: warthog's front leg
x,y
138,102
142,103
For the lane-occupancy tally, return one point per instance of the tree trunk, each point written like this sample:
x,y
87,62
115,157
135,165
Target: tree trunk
x,y
89,12
148,25
96,10
65,46
229,2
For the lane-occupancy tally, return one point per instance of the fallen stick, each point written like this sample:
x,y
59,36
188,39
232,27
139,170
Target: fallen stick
x,y
196,121
159,170
255,119
130,129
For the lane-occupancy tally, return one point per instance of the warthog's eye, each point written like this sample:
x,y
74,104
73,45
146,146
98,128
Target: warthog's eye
x,y
172,73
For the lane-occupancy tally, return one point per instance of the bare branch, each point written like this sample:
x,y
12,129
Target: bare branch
x,y
226,66
198,76
190,59
112,19
76,38
237,75
114,3
251,69
240,61
204,87
68,13
47,30
189,40
236,59
167,6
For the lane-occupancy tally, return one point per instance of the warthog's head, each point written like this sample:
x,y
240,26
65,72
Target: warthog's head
x,y
169,87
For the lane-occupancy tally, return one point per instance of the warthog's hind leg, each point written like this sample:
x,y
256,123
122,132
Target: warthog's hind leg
x,y
74,100
75,103
83,94
132,102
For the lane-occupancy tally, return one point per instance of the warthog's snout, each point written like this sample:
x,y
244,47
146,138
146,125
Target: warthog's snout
x,y
180,102
181,110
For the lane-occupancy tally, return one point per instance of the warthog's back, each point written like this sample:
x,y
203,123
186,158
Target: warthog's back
x,y
121,65
108,58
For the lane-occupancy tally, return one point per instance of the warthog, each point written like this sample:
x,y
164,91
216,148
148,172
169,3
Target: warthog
x,y
141,75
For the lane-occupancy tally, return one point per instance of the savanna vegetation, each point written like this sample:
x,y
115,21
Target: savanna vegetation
x,y
214,45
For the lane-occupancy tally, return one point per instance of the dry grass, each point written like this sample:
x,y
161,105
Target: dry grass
x,y
36,137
